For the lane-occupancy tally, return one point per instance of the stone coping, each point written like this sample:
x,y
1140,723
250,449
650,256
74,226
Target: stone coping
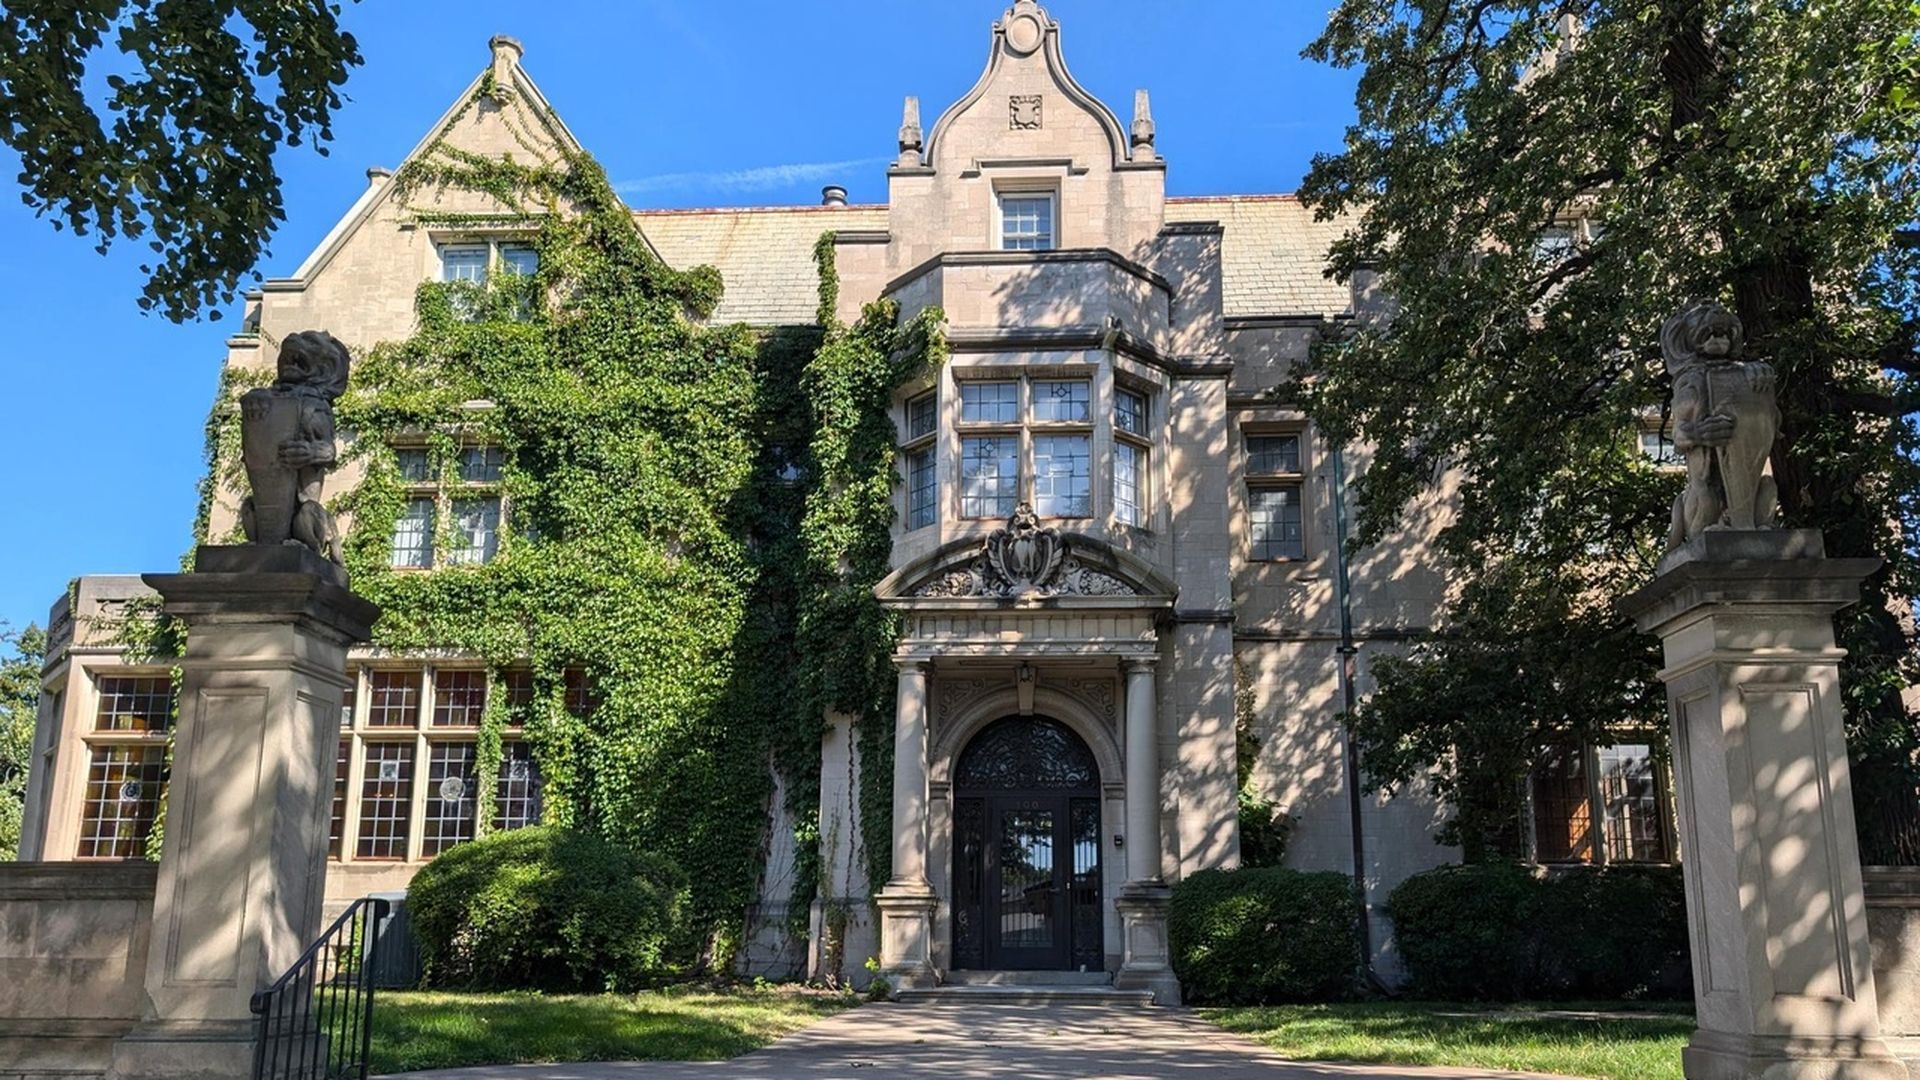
x,y
121,880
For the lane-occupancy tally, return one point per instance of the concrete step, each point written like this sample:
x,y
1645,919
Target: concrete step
x,y
1025,995
1028,978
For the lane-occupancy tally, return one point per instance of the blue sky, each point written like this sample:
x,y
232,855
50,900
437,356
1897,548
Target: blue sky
x,y
722,103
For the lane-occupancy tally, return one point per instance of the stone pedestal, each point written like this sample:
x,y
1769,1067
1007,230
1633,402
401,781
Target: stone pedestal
x,y
243,864
1783,981
1146,960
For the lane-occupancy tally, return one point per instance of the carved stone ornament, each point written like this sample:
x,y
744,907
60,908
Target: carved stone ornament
x,y
286,444
1026,112
1725,419
1025,560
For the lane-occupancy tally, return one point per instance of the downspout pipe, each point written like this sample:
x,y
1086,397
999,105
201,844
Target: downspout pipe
x,y
1349,652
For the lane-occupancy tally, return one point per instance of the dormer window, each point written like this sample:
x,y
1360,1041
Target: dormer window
x,y
1027,221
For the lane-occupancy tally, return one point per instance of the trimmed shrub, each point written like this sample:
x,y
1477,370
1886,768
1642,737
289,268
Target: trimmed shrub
x,y
1462,931
546,908
1500,932
1615,932
1260,935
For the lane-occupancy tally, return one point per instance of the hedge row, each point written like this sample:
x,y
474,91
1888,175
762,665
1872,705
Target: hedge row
x,y
1259,935
1504,933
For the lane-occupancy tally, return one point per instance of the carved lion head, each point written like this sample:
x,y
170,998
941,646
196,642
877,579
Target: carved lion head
x,y
315,361
1703,333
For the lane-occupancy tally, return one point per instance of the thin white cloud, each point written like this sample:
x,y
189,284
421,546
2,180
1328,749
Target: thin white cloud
x,y
763,178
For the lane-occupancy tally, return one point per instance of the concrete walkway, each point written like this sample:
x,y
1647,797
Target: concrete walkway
x,y
987,1042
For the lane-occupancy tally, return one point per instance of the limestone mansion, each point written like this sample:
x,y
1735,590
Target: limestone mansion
x,y
1112,548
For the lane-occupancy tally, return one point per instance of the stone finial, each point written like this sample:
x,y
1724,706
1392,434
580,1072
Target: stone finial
x,y
1725,418
912,137
1143,129
286,444
506,56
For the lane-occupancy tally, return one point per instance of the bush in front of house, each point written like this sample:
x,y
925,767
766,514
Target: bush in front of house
x,y
1261,935
1612,932
1462,931
1501,932
546,908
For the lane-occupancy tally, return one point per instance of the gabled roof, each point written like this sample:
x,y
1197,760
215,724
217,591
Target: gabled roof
x,y
523,89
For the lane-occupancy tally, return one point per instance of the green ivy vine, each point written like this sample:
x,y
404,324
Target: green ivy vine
x,y
695,516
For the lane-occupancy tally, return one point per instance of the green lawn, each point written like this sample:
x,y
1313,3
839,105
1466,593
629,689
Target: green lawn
x,y
427,1030
1606,1042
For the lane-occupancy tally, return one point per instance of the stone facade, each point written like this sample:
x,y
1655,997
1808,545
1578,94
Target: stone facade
x,y
1117,344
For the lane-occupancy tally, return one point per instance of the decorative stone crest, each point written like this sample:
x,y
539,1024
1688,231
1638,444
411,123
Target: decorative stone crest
x,y
1725,419
286,444
1026,112
1024,560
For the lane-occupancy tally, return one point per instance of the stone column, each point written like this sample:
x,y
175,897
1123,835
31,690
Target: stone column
x,y
1145,959
243,865
907,902
1783,980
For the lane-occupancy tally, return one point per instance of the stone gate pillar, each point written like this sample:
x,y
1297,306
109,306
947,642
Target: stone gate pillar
x,y
243,863
907,902
1776,917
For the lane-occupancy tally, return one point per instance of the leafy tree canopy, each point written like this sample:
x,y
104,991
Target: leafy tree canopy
x,y
177,144
1759,154
19,704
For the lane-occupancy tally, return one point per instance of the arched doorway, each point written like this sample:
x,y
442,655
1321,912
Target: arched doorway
x,y
1026,851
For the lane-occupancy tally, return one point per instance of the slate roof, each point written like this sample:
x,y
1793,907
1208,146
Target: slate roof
x,y
1273,254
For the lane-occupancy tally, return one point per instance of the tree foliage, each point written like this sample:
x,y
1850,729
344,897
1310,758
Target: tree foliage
x,y
19,705
1759,154
176,141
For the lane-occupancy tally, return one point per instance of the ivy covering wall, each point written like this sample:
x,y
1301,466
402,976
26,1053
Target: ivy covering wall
x,y
695,517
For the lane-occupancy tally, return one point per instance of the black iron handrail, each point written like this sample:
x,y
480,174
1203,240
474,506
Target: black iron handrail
x,y
316,1021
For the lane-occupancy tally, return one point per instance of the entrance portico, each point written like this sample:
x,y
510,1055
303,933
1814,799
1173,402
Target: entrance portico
x,y
1050,645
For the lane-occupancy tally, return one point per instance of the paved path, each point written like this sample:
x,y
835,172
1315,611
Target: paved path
x,y
988,1042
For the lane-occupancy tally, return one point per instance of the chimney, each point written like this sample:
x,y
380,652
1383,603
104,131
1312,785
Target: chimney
x,y
833,195
378,174
506,56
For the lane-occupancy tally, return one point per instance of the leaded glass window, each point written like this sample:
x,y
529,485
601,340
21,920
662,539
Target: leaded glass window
x,y
1129,474
1063,476
386,801
989,476
122,800
476,531
413,535
459,697
990,403
1063,402
451,796
1130,412
516,802
1274,514
923,489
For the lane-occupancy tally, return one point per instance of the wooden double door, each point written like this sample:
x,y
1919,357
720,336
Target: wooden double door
x,y
1026,879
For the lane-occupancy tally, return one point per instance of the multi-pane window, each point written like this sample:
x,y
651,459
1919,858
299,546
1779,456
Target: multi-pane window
x,y
1657,447
990,403
1026,439
516,802
451,796
1601,804
122,800
1129,482
393,699
126,765
459,697
1276,486
1063,475
1026,222
1130,456
989,476
407,784
469,500
1062,402
386,801
475,264
337,820
921,456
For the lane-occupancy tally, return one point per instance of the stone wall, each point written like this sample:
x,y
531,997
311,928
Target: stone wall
x,y
73,957
1893,928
